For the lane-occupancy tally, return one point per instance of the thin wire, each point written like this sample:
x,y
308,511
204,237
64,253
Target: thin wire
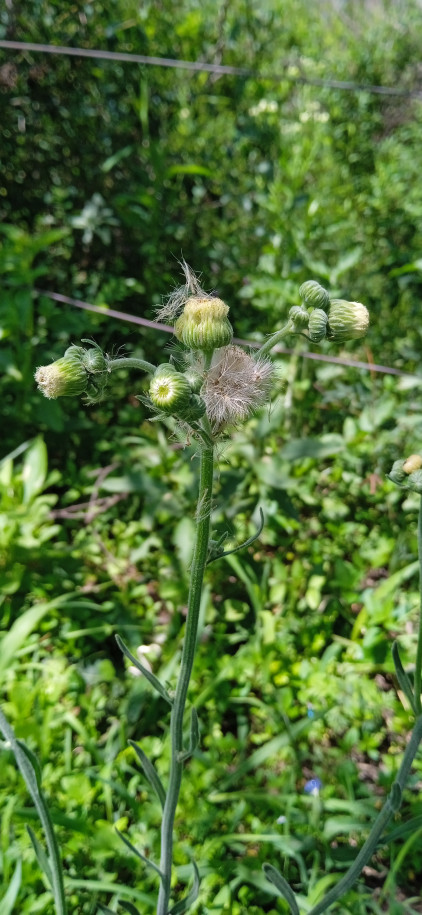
x,y
200,66
156,325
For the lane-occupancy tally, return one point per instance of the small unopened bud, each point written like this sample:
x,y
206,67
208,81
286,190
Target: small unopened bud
x,y
71,375
347,320
314,295
317,326
299,316
204,325
408,473
195,380
412,463
169,390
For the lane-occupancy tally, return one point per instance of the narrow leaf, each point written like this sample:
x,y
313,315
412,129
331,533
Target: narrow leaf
x,y
105,908
41,855
147,673
191,897
129,907
241,546
274,876
8,901
32,759
404,682
31,777
140,855
150,772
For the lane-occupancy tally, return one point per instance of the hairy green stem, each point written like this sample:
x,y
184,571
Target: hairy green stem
x,y
188,653
272,341
129,362
418,665
390,807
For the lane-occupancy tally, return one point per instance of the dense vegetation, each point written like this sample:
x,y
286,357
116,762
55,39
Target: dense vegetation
x,y
111,172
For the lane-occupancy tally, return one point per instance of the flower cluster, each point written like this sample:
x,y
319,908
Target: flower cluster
x,y
335,319
217,384
79,371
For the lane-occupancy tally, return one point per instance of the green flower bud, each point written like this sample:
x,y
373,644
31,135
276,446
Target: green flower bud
x,y
397,474
204,324
299,316
169,390
317,327
412,463
408,473
195,380
347,320
314,295
72,374
194,409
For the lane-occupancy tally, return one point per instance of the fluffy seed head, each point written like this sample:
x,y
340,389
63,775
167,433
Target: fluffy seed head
x,y
235,386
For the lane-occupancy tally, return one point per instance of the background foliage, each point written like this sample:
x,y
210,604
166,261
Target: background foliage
x,y
110,172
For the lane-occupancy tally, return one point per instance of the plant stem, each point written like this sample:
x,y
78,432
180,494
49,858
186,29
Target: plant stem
x,y
272,341
390,807
129,362
188,653
418,665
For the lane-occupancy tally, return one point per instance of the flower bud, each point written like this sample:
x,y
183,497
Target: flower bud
x,y
408,473
314,295
347,320
299,316
72,374
412,463
193,410
317,326
195,380
204,324
169,390
397,474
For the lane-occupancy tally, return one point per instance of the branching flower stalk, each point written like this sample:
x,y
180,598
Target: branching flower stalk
x,y
211,388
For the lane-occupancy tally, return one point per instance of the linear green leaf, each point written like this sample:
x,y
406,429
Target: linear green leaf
x,y
274,876
402,677
147,673
191,897
140,855
150,772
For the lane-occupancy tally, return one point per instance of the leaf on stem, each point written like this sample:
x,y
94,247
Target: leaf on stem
x,y
221,553
147,673
402,677
40,855
274,876
129,907
141,856
193,737
150,772
192,896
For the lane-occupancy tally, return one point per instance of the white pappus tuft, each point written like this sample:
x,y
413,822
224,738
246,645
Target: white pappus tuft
x,y
177,299
235,386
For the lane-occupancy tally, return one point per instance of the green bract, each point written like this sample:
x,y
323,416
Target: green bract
x,y
347,320
317,326
72,374
169,390
314,295
204,325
